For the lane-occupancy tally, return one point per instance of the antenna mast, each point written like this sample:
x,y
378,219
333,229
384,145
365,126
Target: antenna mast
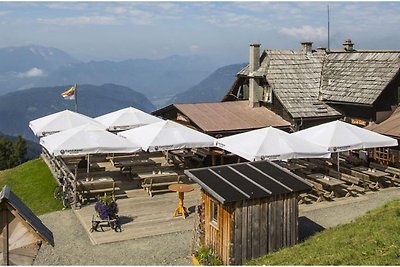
x,y
328,30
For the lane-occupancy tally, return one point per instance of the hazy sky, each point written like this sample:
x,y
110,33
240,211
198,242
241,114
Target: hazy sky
x,y
122,30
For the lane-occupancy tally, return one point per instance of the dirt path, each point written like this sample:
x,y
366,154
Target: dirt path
x,y
74,248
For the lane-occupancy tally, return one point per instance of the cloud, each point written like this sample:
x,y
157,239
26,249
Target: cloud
x,y
194,48
2,13
68,6
34,72
306,32
83,20
232,19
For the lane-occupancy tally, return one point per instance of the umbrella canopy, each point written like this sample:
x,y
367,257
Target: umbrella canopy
x,y
126,118
86,139
59,121
167,135
337,136
270,143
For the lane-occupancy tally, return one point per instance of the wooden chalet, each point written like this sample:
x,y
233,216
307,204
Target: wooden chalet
x,y
248,209
22,232
222,118
309,87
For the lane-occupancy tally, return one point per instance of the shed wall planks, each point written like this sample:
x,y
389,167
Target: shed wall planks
x,y
252,228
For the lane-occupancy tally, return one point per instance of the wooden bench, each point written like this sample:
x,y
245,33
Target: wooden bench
x,y
91,169
159,184
395,173
93,188
363,178
307,198
97,223
321,193
351,187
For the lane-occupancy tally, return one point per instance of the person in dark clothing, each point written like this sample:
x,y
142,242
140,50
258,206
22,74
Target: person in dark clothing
x,y
82,163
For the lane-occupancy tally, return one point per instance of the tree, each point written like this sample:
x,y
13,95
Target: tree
x,y
19,151
6,152
12,154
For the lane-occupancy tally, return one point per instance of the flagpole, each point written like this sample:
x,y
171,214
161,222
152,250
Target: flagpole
x,y
76,98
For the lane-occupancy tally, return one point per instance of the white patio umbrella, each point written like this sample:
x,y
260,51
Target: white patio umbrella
x,y
270,143
337,136
86,139
59,121
126,118
167,135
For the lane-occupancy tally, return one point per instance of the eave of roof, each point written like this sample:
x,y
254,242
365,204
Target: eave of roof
x,y
390,126
230,116
7,195
245,181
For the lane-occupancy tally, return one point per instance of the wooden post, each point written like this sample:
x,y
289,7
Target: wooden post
x,y
4,224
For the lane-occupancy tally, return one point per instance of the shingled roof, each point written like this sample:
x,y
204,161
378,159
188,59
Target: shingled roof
x,y
295,78
358,77
306,82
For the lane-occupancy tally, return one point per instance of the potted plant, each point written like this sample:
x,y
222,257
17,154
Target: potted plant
x,y
106,207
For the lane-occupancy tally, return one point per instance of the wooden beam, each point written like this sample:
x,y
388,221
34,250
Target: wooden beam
x,y
4,220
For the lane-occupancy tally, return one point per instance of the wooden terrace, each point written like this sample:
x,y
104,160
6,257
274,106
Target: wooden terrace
x,y
143,216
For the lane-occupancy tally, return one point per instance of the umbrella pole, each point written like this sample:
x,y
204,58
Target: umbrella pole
x,y
337,155
88,165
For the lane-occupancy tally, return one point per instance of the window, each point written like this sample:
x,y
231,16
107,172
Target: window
x,y
213,214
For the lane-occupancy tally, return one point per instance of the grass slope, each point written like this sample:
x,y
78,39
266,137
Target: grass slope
x,y
373,239
33,183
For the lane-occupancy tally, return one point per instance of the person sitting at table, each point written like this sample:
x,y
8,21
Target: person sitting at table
x,y
82,163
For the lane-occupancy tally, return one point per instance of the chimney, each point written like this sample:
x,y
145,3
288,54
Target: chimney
x,y
306,47
254,60
255,93
348,45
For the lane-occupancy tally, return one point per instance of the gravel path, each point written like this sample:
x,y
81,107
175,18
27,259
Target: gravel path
x,y
74,248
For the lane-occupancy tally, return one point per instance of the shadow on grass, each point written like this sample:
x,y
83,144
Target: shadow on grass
x,y
308,228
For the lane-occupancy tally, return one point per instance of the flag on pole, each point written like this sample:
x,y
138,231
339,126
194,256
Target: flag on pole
x,y
70,93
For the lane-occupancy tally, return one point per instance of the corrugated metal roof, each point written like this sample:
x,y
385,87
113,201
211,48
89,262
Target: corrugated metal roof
x,y
244,181
7,195
230,116
358,77
390,126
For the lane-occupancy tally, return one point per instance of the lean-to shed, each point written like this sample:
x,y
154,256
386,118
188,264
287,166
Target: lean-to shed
x,y
22,232
248,209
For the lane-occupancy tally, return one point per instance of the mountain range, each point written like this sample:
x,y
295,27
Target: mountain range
x,y
211,89
18,108
49,71
37,66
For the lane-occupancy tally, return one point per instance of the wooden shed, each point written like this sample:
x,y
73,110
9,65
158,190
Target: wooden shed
x,y
248,209
22,232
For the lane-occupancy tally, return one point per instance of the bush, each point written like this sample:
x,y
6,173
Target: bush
x,y
206,256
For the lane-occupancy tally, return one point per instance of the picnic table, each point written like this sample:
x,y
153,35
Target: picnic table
x,y
328,182
95,186
371,172
291,165
183,155
128,164
375,174
158,182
